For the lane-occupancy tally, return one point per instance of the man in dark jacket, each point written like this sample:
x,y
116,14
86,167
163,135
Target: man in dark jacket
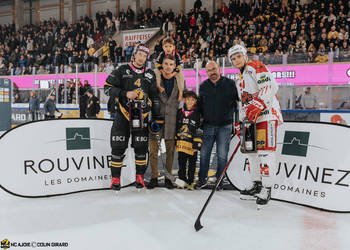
x,y
50,107
218,99
93,107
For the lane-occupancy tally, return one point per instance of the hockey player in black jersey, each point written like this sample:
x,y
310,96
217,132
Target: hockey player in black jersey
x,y
135,91
188,137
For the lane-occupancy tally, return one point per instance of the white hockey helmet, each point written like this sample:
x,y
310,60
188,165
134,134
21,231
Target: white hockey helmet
x,y
236,49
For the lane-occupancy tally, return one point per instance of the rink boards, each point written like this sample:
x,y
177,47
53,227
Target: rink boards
x,y
312,165
53,157
45,158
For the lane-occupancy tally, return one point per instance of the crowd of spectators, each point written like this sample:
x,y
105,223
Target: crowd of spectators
x,y
306,33
53,44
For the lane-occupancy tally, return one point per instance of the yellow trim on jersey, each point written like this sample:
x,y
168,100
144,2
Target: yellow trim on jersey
x,y
108,84
124,112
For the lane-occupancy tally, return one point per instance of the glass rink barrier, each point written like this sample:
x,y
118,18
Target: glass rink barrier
x,y
328,84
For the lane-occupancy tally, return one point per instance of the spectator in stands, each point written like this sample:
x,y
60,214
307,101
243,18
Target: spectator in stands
x,y
118,53
167,27
300,46
34,106
322,57
112,44
109,67
105,52
197,4
128,52
308,100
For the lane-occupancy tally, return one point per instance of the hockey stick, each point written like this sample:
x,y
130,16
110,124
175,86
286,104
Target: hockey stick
x,y
197,224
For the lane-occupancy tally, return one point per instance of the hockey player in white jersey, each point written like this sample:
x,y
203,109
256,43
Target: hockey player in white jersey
x,y
257,89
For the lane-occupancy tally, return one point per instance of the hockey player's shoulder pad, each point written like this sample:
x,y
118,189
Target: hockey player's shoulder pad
x,y
258,66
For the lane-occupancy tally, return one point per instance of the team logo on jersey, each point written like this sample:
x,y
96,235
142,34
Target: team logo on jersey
x,y
140,94
263,79
127,71
149,75
184,132
246,98
138,83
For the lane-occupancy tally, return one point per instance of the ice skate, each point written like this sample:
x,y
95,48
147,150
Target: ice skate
x,y
140,184
263,197
250,194
115,185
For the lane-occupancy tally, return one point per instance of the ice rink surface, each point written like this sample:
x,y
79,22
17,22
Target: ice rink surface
x,y
162,219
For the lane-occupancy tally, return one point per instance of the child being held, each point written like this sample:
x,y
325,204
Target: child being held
x,y
188,137
169,49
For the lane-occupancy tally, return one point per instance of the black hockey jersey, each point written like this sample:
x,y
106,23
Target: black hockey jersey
x,y
188,136
128,78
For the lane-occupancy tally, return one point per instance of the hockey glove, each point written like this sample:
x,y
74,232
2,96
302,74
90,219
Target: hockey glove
x,y
254,109
237,128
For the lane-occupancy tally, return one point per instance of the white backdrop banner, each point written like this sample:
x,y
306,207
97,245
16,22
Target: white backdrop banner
x,y
59,156
313,165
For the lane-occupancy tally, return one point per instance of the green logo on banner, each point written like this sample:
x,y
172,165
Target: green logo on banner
x,y
295,143
78,138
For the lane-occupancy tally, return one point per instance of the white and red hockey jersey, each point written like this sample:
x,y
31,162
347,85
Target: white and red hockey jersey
x,y
256,81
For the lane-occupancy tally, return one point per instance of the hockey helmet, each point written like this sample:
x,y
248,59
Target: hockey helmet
x,y
141,47
236,49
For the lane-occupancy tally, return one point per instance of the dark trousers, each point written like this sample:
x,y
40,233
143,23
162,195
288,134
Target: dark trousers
x,y
120,134
183,158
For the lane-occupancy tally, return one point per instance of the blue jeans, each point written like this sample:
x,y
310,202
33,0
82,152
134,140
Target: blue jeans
x,y
221,135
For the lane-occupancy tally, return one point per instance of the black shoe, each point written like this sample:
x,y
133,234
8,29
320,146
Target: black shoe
x,y
168,184
249,194
153,183
200,184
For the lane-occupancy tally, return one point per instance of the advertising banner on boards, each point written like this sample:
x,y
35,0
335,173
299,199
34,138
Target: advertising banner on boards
x,y
340,118
67,155
312,165
5,104
294,75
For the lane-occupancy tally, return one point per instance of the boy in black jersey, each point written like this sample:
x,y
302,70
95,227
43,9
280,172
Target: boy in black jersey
x,y
188,137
